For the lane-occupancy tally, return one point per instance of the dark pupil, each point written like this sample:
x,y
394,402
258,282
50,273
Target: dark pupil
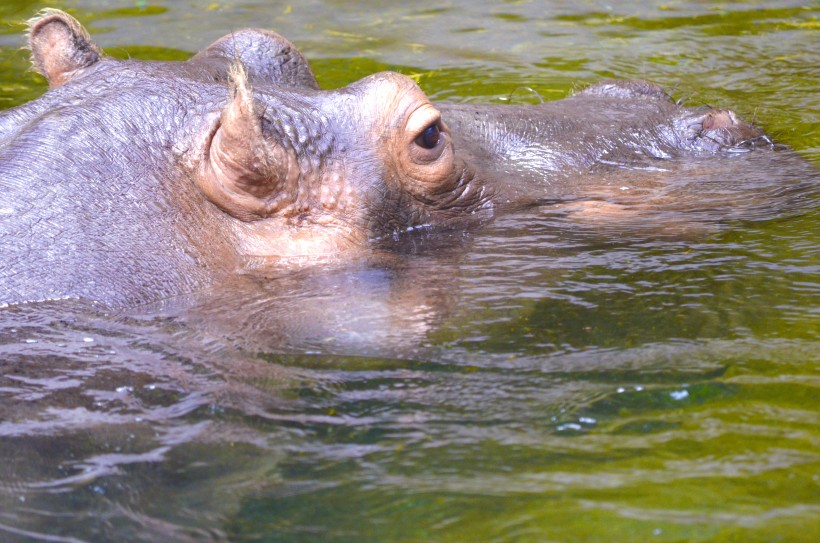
x,y
430,137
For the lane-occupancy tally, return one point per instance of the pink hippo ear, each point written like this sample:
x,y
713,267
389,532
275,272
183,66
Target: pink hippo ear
x,y
60,46
244,173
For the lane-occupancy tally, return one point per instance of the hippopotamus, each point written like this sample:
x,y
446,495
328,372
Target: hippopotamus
x,y
131,181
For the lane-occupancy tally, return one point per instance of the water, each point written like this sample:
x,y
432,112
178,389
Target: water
x,y
539,380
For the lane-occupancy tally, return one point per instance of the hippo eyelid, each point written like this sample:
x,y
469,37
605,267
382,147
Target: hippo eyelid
x,y
426,134
421,119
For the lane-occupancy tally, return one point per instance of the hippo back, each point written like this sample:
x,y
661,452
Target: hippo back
x,y
91,205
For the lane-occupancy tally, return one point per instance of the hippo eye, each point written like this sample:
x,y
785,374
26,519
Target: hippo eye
x,y
430,137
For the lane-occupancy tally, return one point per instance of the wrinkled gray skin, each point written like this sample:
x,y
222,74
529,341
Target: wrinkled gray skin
x,y
133,181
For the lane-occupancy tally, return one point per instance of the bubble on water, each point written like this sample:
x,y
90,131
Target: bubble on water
x,y
31,341
587,420
621,390
124,390
569,426
679,394
638,388
88,339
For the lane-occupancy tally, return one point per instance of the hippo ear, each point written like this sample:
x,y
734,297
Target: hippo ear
x,y
266,55
243,173
60,46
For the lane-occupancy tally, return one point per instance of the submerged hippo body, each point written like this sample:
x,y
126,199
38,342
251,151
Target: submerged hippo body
x,y
132,181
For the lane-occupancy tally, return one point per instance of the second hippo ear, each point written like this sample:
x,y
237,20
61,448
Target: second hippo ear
x,y
267,57
60,46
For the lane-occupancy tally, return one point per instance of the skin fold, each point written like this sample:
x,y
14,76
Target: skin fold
x,y
133,181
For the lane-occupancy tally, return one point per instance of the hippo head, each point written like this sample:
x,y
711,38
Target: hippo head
x,y
291,169
374,156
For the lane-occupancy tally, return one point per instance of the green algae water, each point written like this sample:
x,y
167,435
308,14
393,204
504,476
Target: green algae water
x,y
537,380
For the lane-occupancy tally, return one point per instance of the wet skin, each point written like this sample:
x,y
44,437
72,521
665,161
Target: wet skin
x,y
133,181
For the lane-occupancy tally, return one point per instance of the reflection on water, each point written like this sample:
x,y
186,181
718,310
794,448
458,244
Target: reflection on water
x,y
539,371
645,376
